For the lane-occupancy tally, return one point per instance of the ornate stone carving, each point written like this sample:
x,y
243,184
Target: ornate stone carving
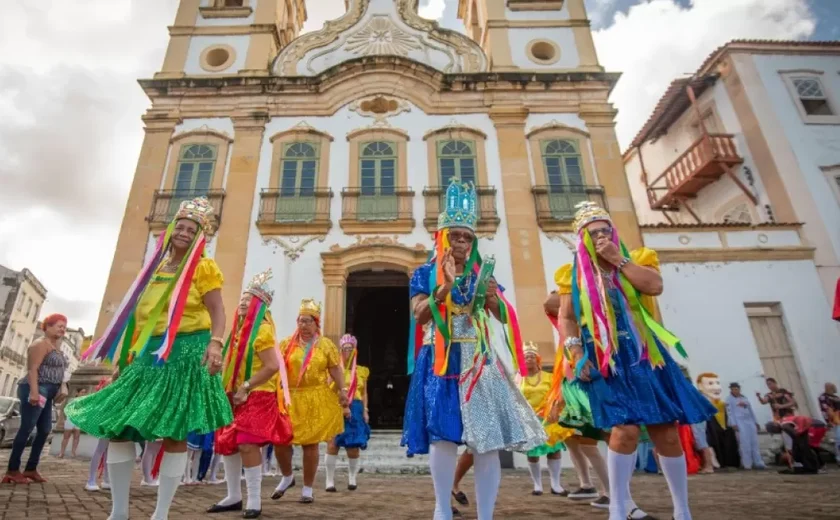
x,y
464,54
293,247
555,125
379,107
381,36
454,126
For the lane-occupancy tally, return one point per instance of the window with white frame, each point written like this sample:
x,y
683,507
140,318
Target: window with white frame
x,y
812,97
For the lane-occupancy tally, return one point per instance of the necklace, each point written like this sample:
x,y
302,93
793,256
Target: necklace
x,y
539,379
461,290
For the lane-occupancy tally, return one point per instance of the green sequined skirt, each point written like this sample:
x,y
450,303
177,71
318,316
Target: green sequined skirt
x,y
150,401
577,413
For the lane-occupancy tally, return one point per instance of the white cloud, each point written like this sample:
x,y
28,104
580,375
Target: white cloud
x,y
658,41
432,9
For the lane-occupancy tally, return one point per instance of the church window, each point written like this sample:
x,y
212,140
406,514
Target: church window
x,y
562,162
456,159
300,169
194,173
377,176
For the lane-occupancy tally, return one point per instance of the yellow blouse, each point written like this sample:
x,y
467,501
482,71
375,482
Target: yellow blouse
x,y
207,277
362,373
324,357
534,388
642,256
264,341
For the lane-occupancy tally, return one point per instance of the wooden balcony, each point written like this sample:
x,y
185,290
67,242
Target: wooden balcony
x,y
166,202
488,217
376,210
706,160
294,211
556,204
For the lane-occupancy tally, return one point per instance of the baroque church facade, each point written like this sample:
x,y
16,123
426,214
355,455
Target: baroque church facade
x,y
325,153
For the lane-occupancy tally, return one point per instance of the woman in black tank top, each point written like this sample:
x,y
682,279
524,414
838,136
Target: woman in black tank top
x,y
37,392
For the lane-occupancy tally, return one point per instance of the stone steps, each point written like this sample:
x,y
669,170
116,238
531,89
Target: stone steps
x,y
383,455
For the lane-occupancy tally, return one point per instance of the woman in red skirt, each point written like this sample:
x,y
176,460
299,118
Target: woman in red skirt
x,y
252,366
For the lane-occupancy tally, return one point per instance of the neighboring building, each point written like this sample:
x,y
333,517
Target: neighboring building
x,y
72,346
736,181
325,155
21,299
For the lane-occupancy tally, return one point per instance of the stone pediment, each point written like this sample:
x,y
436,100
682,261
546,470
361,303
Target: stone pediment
x,y
380,28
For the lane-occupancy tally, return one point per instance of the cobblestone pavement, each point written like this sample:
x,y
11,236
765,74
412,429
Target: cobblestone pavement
x,y
736,495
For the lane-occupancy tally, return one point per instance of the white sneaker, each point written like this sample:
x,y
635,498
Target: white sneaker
x,y
91,487
106,485
153,483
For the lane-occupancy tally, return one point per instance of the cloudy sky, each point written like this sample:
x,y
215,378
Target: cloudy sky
x,y
70,107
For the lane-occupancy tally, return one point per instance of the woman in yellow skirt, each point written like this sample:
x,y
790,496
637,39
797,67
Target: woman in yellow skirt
x,y
316,411
535,386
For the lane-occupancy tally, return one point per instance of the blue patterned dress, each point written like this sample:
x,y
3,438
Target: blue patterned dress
x,y
497,417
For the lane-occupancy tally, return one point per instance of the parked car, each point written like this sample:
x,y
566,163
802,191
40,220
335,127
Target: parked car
x,y
10,422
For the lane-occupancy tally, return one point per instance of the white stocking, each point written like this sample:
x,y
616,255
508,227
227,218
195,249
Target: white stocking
x,y
488,476
674,469
554,471
120,467
443,457
253,483
536,475
329,464
621,468
96,459
233,468
171,468
353,470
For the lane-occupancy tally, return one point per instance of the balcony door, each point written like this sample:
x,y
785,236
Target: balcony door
x,y
194,174
296,201
564,172
456,160
378,194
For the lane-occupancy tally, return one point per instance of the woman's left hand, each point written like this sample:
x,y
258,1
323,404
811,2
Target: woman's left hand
x,y
213,357
342,399
366,416
62,394
240,396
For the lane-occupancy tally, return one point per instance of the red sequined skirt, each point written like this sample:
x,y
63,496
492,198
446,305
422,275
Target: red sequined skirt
x,y
257,421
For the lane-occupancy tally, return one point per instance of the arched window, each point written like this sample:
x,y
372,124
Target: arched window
x,y
377,176
562,164
194,174
299,169
456,159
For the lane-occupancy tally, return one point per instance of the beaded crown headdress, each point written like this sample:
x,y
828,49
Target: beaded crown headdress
x,y
531,347
348,339
587,213
258,286
461,206
309,307
199,211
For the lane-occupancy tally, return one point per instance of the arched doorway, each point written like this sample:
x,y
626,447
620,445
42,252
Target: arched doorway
x,y
367,295
376,313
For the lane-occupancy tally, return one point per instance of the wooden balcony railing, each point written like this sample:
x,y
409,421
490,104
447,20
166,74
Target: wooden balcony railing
x,y
294,211
488,216
555,204
166,202
706,160
376,210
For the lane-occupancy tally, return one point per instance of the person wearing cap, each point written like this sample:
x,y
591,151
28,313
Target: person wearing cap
x,y
741,418
621,356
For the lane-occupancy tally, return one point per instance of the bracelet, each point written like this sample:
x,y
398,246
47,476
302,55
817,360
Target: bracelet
x,y
621,265
218,340
572,341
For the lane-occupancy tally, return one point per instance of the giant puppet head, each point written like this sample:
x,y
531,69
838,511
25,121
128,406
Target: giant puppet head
x,y
709,385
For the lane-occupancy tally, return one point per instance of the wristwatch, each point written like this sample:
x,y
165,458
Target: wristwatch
x,y
247,386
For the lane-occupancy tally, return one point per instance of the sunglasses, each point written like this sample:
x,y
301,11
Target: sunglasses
x,y
595,233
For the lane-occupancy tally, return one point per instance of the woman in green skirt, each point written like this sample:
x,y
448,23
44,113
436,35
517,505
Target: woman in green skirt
x,y
165,339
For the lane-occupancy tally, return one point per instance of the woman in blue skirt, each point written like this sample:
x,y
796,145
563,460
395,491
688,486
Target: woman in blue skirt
x,y
620,356
356,429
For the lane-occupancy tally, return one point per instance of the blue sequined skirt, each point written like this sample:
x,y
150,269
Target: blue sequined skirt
x,y
637,393
433,405
356,430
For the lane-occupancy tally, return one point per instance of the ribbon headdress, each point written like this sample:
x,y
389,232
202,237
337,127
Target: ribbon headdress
x,y
121,342
349,339
460,211
592,303
308,307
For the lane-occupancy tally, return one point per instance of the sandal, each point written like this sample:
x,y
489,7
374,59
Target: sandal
x,y
15,477
34,476
646,517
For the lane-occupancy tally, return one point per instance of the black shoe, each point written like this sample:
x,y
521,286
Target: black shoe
x,y
583,494
252,513
646,517
352,487
601,503
456,513
277,495
563,493
331,489
216,508
306,500
461,498
536,493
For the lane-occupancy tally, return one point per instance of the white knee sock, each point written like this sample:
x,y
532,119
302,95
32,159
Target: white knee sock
x,y
593,455
620,471
96,459
353,470
488,476
307,492
214,467
674,469
329,464
233,467
554,471
536,475
581,465
171,468
253,483
633,510
120,467
443,457
285,482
